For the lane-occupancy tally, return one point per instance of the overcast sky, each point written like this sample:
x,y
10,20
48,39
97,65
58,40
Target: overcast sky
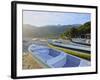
x,y
42,18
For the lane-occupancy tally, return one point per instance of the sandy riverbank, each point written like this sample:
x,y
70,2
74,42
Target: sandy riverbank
x,y
28,62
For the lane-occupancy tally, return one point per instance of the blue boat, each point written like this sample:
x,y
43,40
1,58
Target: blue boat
x,y
56,59
72,46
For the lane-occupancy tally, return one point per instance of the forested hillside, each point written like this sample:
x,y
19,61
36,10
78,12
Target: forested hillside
x,y
75,32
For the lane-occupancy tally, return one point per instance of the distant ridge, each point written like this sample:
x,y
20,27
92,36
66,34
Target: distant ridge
x,y
48,31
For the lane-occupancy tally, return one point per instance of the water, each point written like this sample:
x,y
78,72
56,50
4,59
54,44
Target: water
x,y
54,58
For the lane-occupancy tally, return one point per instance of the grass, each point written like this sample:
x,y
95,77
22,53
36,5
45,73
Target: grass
x,y
72,52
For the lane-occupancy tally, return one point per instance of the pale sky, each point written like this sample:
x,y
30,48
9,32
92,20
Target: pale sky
x,y
42,18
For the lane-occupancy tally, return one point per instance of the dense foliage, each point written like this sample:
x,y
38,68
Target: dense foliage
x,y
76,32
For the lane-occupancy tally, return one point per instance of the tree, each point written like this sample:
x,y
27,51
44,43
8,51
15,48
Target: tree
x,y
76,32
85,28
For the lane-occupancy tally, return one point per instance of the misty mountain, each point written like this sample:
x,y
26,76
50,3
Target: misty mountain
x,y
48,31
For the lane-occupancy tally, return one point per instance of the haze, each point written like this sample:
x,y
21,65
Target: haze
x,y
42,18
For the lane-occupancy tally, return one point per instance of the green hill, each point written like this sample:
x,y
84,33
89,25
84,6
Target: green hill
x,y
49,31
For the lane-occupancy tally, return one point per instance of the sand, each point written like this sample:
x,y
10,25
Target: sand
x,y
28,62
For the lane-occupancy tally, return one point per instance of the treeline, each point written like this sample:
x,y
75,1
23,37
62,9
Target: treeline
x,y
76,32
